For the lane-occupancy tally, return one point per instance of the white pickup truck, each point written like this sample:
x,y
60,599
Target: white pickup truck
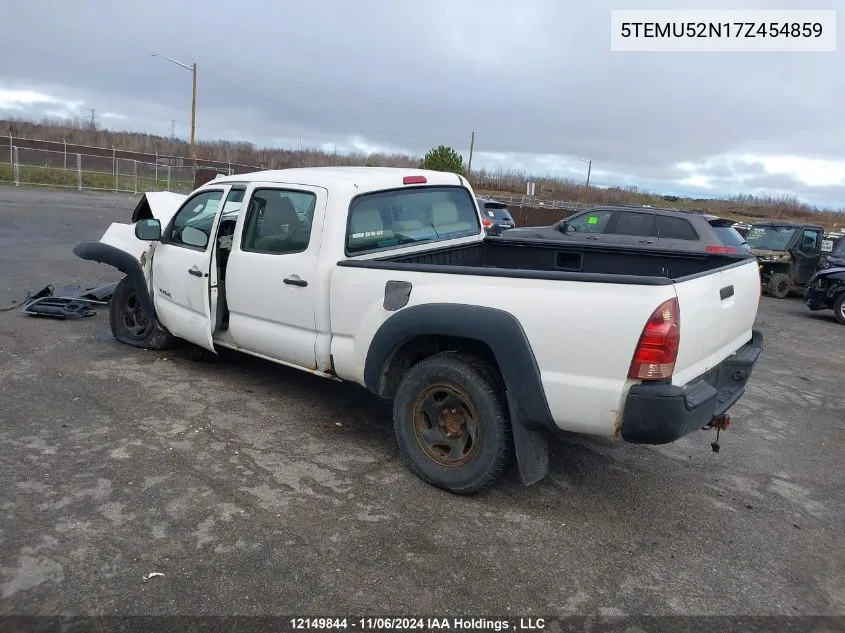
x,y
487,346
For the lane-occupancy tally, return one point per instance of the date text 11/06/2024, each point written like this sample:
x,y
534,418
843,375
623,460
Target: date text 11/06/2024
x,y
418,624
721,29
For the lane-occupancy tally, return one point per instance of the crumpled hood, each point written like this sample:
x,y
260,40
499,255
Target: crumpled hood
x,y
161,205
835,272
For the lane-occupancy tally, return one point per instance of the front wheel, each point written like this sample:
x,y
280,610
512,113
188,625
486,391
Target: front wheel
x,y
779,285
452,424
839,309
130,323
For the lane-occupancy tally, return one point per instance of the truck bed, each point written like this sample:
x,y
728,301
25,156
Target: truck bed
x,y
582,308
500,256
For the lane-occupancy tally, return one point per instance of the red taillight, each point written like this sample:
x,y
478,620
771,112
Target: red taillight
x,y
486,223
720,249
414,180
657,349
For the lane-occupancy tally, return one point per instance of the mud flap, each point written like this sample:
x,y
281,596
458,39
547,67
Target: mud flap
x,y
532,449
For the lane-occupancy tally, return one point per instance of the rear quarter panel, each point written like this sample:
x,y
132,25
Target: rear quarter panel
x,y
582,334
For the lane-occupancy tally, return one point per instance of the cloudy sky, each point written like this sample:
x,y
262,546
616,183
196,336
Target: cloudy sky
x,y
535,79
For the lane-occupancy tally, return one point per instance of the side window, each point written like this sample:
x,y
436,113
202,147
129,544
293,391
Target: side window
x,y
388,219
193,222
278,221
675,228
810,241
594,222
635,223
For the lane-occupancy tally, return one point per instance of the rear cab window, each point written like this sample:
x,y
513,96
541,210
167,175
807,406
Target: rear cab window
x,y
391,219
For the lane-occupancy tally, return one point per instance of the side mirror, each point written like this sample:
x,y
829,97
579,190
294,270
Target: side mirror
x,y
148,230
566,228
194,237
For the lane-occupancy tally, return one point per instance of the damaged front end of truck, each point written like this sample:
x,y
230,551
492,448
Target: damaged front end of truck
x,y
121,248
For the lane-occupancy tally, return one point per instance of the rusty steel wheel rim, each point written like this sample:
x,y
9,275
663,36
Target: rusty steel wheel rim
x,y
446,425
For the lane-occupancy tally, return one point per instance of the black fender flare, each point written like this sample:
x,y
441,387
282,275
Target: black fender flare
x,y
124,262
502,332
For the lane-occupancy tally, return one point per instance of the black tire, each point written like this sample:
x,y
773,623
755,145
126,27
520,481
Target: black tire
x,y
470,406
839,309
779,285
130,323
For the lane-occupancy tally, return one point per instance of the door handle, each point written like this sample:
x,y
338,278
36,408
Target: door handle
x,y
592,237
196,272
646,241
295,281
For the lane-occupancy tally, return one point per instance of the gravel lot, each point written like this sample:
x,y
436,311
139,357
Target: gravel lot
x,y
255,489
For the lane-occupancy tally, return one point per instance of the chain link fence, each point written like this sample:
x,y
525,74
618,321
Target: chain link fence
x,y
54,168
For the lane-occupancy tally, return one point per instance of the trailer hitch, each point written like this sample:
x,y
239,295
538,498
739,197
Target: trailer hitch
x,y
719,423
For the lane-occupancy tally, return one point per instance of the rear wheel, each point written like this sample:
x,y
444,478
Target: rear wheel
x,y
839,309
130,323
779,285
452,424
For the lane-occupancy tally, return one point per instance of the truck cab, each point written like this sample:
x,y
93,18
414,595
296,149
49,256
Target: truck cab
x,y
789,253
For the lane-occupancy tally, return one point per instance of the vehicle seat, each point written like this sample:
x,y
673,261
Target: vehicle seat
x,y
445,218
366,228
407,225
280,220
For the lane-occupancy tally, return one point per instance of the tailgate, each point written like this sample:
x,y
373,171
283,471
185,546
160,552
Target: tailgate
x,y
718,310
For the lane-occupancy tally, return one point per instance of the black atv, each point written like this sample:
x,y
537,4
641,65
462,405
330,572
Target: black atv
x,y
789,254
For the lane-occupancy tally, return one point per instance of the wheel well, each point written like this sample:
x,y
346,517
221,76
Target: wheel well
x,y
411,352
770,269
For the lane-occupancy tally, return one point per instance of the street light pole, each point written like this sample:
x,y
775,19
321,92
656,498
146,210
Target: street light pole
x,y
193,69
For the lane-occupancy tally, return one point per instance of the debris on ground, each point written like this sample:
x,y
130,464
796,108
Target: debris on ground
x,y
66,302
153,574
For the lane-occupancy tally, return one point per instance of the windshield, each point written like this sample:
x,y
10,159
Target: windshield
x,y
770,238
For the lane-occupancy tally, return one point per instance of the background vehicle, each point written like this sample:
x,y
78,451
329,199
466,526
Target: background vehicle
x,y
495,216
826,290
393,285
643,227
789,253
835,258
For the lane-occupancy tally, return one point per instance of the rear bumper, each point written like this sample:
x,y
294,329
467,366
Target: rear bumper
x,y
660,413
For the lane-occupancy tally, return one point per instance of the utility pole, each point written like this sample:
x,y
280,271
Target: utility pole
x,y
173,129
471,147
93,119
193,69
194,110
589,169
